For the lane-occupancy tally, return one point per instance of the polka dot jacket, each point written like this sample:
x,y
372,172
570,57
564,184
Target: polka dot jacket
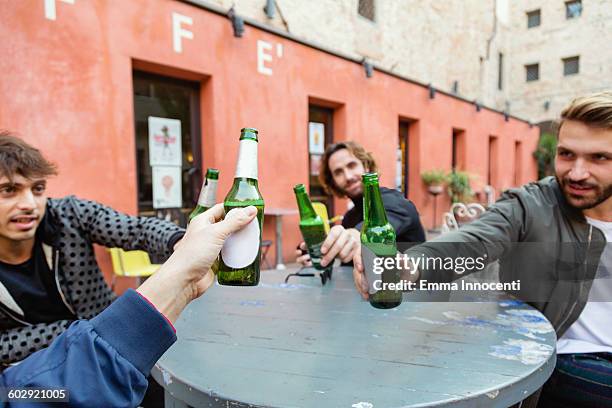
x,y
71,227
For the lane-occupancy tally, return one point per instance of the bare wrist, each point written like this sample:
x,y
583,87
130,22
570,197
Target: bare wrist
x,y
168,291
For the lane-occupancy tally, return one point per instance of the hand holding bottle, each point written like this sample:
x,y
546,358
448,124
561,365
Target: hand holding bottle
x,y
186,275
302,256
342,243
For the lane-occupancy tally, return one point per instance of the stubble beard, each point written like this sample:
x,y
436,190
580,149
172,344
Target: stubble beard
x,y
585,203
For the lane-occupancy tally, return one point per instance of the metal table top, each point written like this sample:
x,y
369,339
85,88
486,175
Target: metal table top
x,y
306,345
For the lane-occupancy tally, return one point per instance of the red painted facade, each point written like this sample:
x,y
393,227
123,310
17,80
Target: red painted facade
x,y
66,87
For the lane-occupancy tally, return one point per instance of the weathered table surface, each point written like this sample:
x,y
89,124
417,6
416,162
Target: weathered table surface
x,y
306,345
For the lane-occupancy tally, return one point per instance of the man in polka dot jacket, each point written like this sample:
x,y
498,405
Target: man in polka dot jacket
x,y
48,272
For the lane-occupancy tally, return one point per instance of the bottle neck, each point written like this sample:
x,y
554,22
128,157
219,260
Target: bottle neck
x,y
208,194
246,166
373,209
305,206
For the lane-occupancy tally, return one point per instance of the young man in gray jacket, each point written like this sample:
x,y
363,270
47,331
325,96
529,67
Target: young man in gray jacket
x,y
48,272
551,235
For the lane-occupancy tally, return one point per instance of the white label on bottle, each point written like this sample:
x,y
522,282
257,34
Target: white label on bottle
x,y
247,159
208,195
241,248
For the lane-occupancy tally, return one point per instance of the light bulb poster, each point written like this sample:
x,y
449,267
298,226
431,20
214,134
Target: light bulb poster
x,y
316,138
164,142
167,191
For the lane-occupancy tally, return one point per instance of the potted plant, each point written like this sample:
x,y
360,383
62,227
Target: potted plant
x,y
459,187
545,155
434,180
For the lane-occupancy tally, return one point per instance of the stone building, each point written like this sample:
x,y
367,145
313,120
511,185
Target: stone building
x,y
479,50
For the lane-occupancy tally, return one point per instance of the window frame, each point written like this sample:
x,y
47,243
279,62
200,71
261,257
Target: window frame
x,y
569,60
191,135
570,16
527,67
320,114
373,19
529,14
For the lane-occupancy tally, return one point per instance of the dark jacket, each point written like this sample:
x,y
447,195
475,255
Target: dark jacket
x,y
70,228
539,239
103,362
401,213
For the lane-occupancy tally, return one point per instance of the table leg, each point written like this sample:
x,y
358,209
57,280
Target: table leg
x,y
279,242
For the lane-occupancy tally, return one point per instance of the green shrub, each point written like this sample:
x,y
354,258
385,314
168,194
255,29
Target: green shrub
x,y
545,155
434,177
459,187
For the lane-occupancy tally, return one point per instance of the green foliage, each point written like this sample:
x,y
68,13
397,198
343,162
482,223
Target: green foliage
x,y
459,187
434,177
545,155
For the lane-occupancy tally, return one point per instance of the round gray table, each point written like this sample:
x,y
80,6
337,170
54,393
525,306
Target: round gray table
x,y
306,345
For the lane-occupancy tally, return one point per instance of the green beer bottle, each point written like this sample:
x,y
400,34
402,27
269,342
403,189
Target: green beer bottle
x,y
378,237
244,192
311,226
208,193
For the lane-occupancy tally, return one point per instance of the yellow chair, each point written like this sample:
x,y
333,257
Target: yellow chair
x,y
321,211
131,264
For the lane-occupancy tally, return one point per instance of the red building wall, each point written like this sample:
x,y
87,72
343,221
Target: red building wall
x,y
66,87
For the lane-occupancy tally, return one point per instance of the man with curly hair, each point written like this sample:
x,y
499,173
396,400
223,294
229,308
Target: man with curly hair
x,y
342,166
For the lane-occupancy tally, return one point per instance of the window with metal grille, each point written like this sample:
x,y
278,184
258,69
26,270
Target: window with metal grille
x,y
366,9
571,66
573,9
532,72
533,18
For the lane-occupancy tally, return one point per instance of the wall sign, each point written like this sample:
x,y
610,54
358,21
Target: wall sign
x,y
266,51
264,56
316,138
178,32
165,142
50,8
167,187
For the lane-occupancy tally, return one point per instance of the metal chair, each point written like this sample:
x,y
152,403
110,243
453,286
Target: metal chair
x,y
465,212
321,210
266,244
132,264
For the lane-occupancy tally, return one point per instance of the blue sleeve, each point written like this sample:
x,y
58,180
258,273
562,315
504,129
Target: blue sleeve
x,y
103,362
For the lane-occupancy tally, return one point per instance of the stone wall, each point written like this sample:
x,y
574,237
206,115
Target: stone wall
x,y
455,44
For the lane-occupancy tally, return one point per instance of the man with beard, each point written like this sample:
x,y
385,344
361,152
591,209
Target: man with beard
x,y
343,164
551,235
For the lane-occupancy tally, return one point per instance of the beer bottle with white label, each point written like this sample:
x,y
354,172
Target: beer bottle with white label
x,y
240,259
208,193
311,225
378,239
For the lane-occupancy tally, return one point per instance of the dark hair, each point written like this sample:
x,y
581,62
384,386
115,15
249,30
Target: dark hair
x,y
325,176
18,157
